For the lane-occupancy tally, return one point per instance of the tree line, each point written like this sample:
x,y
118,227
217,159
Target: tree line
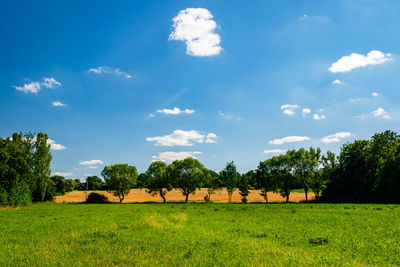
x,y
364,171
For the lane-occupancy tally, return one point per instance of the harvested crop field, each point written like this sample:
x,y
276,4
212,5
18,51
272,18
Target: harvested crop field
x,y
140,195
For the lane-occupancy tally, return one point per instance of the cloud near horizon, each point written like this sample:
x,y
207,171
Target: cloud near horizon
x,y
289,139
54,145
183,138
170,156
91,162
335,138
196,28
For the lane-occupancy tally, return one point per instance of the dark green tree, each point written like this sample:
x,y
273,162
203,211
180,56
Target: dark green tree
x,y
244,187
187,175
212,183
229,179
264,179
120,178
157,179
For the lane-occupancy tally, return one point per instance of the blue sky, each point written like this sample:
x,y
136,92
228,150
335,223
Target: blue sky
x,y
136,81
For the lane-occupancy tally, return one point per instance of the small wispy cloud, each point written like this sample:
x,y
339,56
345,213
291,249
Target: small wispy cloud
x,y
175,111
109,70
319,117
289,109
380,112
337,82
305,111
170,156
35,87
54,145
63,174
229,117
337,137
58,104
274,151
91,162
289,139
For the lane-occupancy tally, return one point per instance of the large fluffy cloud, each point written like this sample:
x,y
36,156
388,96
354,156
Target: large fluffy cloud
x,y
334,138
170,156
354,61
289,139
175,111
196,27
35,87
182,138
109,70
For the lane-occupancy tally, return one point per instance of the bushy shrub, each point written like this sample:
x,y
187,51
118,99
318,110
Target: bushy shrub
x,y
96,198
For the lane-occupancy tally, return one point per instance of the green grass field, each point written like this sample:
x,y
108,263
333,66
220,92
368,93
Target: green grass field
x,y
200,234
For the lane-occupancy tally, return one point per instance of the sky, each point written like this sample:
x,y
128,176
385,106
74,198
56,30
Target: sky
x,y
137,81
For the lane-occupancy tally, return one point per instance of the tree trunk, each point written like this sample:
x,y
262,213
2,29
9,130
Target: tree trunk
x,y
306,191
230,196
121,198
162,195
187,198
287,198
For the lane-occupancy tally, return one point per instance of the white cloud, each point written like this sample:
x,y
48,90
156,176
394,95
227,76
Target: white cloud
x,y
337,82
50,83
170,156
63,174
229,117
58,104
289,109
109,70
93,167
334,138
211,138
35,87
196,27
274,151
375,94
306,111
289,139
91,162
182,138
380,112
319,117
54,145
175,111
354,61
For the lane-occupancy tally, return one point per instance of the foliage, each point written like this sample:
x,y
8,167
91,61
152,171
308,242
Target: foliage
x,y
187,175
25,169
95,183
229,178
212,183
120,178
157,179
96,198
244,187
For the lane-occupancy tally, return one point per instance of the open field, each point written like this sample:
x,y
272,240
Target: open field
x,y
221,196
200,234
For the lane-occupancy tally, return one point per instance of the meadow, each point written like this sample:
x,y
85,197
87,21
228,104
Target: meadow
x,y
178,234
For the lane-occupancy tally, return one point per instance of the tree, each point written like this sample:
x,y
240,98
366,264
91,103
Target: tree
x,y
59,184
281,168
70,185
119,179
211,182
94,183
229,178
41,169
141,181
157,181
244,187
304,163
264,179
188,175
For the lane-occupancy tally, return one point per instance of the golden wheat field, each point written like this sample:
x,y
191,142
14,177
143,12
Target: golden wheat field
x,y
221,196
